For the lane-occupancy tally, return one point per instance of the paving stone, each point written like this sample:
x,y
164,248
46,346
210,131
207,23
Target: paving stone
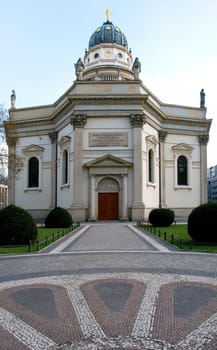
x,y
137,299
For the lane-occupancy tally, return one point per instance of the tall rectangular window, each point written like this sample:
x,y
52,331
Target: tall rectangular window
x,y
33,172
182,171
150,165
65,167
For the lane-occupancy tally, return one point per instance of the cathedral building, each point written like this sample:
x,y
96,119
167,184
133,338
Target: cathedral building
x,y
108,148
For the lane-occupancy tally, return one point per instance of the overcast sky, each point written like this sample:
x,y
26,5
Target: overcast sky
x,y
175,41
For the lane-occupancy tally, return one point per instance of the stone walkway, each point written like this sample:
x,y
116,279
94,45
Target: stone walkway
x,y
108,287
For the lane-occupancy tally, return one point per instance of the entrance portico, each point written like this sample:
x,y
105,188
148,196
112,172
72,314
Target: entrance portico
x,y
108,188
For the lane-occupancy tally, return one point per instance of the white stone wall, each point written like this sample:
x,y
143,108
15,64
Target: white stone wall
x,y
33,198
182,196
65,191
150,189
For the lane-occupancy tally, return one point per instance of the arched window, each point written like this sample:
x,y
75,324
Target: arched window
x,y
182,166
65,167
33,172
150,165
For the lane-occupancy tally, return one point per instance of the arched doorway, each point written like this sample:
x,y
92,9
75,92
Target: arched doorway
x,y
108,199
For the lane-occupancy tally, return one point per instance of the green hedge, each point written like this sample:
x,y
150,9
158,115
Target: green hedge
x,y
59,218
202,223
161,217
16,226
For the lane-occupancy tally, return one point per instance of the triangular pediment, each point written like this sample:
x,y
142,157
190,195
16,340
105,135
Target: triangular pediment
x,y
33,149
108,161
182,147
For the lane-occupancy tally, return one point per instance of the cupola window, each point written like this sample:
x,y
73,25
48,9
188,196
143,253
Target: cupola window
x,y
96,55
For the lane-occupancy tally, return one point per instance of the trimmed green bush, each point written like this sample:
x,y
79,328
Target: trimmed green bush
x,y
161,217
58,217
202,223
16,226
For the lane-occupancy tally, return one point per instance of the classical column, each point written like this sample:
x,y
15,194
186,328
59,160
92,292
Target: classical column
x,y
203,140
78,121
124,204
53,196
12,164
162,183
137,122
92,213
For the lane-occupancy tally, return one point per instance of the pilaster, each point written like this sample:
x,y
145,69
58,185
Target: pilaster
x,y
12,160
124,204
79,206
92,192
137,121
53,197
162,193
203,140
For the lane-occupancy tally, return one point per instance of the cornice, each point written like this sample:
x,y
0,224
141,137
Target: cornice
x,y
114,97
188,121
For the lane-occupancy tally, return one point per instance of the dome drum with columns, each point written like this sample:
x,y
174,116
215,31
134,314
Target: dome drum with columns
x,y
108,57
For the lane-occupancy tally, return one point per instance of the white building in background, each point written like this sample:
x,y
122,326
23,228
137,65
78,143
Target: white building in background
x,y
108,148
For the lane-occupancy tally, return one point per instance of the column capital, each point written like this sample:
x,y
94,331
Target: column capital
x,y
53,136
137,120
78,120
11,140
203,139
162,135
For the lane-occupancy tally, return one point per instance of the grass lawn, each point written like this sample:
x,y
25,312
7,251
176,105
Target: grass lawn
x,y
180,231
43,232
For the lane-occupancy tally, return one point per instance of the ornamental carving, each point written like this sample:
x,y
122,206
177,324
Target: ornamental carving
x,y
108,185
203,139
137,120
53,136
64,142
11,140
78,121
182,149
33,150
162,136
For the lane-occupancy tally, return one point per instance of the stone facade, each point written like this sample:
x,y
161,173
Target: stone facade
x,y
107,134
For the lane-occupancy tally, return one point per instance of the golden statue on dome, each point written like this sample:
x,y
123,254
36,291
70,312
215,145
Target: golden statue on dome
x,y
108,14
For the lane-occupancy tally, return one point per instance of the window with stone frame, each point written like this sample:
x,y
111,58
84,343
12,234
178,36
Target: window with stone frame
x,y
33,172
182,171
182,165
33,156
152,143
64,144
65,168
151,166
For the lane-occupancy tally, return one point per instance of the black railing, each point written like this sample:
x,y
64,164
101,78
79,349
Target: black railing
x,y
171,238
39,244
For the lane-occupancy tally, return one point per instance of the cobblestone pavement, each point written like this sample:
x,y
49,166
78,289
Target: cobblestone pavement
x,y
131,295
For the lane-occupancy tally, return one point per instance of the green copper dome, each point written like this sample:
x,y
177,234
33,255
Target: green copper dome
x,y
108,33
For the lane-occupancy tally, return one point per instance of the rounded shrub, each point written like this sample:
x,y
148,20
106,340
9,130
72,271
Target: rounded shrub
x,y
202,223
161,217
16,226
58,217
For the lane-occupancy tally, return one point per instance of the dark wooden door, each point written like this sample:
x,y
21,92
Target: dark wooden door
x,y
108,206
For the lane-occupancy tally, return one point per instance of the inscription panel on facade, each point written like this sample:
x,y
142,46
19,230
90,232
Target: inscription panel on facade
x,y
108,139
